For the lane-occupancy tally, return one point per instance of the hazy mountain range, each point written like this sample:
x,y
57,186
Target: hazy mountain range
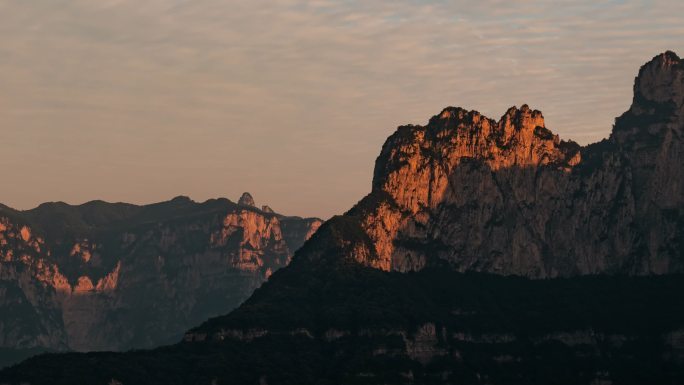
x,y
116,276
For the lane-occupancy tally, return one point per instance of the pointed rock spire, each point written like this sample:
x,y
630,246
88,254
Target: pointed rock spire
x,y
658,104
661,80
246,200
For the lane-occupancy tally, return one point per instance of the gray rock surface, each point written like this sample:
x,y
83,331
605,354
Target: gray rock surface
x,y
510,197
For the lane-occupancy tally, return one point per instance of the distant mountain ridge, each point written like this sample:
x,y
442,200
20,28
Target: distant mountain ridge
x,y
113,276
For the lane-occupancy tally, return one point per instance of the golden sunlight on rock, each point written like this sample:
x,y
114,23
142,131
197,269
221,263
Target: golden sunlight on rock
x,y
25,233
173,252
84,285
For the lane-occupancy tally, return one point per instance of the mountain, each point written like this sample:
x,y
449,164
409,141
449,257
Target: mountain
x,y
115,276
488,252
510,197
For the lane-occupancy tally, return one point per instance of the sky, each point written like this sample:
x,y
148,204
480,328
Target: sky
x,y
143,100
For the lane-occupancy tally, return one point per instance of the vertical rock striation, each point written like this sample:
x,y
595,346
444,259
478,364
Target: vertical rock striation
x,y
106,276
510,197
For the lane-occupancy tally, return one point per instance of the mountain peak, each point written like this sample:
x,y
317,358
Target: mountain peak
x,y
465,187
657,111
453,112
412,158
514,120
667,58
177,199
521,119
661,80
246,200
519,138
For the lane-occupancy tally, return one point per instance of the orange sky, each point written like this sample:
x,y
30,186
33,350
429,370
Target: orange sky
x,y
134,101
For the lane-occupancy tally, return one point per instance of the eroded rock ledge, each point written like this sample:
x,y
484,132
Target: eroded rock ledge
x,y
104,276
511,197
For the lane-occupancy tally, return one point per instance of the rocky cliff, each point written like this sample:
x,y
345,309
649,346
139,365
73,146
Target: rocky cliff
x,y
510,197
106,276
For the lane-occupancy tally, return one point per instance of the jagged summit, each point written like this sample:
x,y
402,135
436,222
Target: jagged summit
x,y
650,134
516,125
518,139
664,59
521,117
246,200
661,80
510,197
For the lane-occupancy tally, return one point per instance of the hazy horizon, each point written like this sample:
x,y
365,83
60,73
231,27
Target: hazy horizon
x,y
134,102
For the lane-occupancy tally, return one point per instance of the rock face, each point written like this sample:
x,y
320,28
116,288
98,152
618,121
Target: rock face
x,y
247,200
509,197
106,276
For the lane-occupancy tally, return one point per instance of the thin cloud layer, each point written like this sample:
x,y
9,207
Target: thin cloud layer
x,y
138,101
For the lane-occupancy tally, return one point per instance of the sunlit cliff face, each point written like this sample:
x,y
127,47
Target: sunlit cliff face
x,y
422,157
510,197
103,284
418,168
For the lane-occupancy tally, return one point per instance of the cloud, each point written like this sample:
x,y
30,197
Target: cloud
x,y
290,99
